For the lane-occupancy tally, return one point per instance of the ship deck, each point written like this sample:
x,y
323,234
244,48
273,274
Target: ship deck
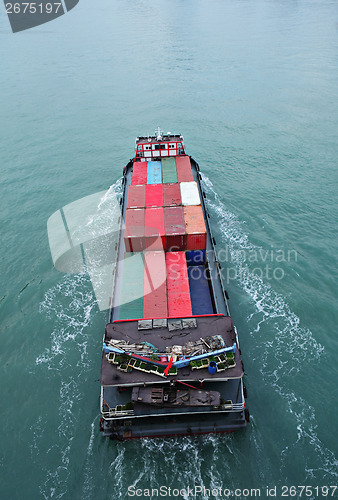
x,y
117,385
161,338
231,391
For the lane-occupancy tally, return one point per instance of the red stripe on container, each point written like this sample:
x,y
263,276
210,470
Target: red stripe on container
x,y
195,228
134,230
175,233
155,287
136,197
171,195
179,303
154,195
139,173
154,229
183,167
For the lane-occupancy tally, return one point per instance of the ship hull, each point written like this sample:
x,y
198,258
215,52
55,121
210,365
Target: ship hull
x,y
116,388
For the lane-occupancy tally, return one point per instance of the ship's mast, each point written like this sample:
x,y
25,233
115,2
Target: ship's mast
x,y
159,134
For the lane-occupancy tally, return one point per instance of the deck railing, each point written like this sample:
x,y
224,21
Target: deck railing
x,y
227,407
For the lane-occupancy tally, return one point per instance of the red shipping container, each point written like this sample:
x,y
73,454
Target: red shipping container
x,y
139,173
134,230
183,167
195,228
155,286
154,229
136,197
179,302
175,233
171,195
154,195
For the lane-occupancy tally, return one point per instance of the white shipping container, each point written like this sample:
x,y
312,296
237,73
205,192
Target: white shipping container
x,y
189,193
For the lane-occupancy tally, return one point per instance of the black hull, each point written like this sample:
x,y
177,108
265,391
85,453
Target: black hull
x,y
182,423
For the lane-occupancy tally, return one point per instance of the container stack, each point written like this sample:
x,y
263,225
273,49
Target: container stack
x,y
195,228
136,196
165,225
154,172
174,224
139,173
154,233
154,195
199,290
189,194
179,302
132,287
169,172
155,285
171,195
183,167
134,230
178,221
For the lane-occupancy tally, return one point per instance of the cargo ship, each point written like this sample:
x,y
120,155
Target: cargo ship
x,y
171,361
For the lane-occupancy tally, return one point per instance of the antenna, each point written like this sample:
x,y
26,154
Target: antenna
x,y
159,134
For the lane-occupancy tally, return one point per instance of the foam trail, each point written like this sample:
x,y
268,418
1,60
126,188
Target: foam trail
x,y
174,463
212,461
114,190
88,488
269,304
69,307
282,346
71,320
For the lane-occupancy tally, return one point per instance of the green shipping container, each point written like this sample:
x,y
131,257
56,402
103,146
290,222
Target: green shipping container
x,y
132,287
169,172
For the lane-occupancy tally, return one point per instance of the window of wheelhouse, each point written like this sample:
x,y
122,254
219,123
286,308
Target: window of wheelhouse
x,y
159,149
155,150
164,149
139,151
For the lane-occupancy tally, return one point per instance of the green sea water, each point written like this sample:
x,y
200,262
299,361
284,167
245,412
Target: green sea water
x,y
253,87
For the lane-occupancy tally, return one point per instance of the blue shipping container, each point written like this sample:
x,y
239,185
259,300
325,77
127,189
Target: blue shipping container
x,y
196,257
199,291
154,172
